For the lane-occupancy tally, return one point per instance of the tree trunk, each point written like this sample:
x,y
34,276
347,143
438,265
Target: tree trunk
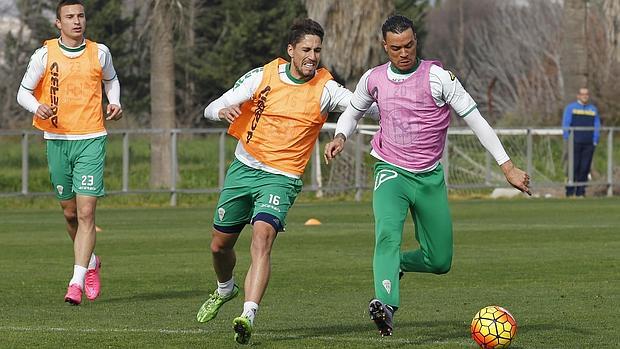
x,y
460,41
611,9
574,48
353,31
162,95
188,99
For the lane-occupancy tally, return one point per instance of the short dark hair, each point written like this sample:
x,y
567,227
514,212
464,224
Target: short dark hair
x,y
396,24
66,3
303,27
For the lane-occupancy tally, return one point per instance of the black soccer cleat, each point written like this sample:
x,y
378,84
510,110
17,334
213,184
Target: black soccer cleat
x,y
382,316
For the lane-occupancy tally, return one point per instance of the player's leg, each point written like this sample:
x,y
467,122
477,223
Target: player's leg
x,y
274,195
390,207
61,178
88,160
69,210
232,213
223,254
257,278
570,190
61,164
433,226
224,261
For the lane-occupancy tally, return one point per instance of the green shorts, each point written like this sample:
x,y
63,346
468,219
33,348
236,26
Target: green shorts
x,y
250,195
76,166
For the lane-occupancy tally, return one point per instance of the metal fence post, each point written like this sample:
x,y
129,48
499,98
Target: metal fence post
x,y
529,154
317,174
173,168
25,164
610,163
571,157
487,168
445,161
358,166
125,162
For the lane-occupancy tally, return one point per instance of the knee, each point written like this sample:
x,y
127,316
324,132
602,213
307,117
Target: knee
x,y
262,243
441,265
388,238
70,214
86,215
219,247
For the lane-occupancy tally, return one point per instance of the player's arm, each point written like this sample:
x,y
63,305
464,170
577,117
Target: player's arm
x,y
360,102
597,127
227,106
567,117
336,98
34,73
515,176
111,84
445,87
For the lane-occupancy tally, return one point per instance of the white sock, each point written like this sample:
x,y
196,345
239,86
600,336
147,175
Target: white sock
x,y
79,272
92,264
226,288
249,310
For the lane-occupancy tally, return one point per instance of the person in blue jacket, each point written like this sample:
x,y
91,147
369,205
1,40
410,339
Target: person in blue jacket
x,y
580,113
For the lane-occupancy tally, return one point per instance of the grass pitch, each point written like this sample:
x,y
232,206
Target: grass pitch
x,y
553,263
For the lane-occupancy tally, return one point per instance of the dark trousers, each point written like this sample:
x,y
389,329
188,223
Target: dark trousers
x,y
582,159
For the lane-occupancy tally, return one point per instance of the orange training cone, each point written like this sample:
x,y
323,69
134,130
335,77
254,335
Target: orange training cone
x,y
312,221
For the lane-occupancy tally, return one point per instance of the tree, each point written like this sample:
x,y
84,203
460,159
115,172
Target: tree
x,y
353,36
574,48
510,63
115,24
611,9
230,42
33,25
162,91
603,60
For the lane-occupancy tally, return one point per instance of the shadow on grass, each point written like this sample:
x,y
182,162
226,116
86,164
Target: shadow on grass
x,y
425,332
405,333
152,296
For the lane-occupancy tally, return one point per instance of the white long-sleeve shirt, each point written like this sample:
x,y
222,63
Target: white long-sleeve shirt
x,y
445,88
335,98
36,69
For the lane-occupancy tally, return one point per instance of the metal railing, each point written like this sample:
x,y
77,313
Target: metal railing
x,y
474,173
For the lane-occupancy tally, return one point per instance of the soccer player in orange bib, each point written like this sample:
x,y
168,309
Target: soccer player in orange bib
x,y
62,88
276,112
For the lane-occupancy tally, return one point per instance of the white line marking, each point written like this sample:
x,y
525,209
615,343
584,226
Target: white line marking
x,y
200,331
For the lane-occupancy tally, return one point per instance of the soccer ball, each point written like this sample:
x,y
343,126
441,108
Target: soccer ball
x,y
493,327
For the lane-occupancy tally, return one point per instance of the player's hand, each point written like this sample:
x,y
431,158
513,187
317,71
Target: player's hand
x,y
334,147
44,112
229,113
516,177
114,112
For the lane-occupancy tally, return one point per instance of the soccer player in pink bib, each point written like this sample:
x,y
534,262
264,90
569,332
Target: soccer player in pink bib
x,y
414,97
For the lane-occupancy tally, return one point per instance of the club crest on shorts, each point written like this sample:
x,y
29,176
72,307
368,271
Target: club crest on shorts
x,y
387,284
384,176
60,189
221,212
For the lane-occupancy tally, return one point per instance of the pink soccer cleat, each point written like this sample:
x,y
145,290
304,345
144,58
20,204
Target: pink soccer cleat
x,y
92,284
74,295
